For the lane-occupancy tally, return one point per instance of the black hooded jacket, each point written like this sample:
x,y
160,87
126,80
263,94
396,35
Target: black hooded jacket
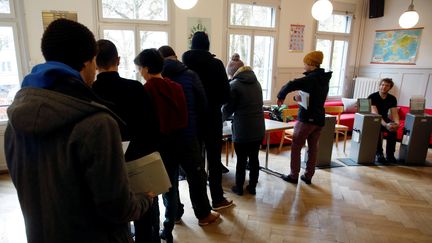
x,y
316,83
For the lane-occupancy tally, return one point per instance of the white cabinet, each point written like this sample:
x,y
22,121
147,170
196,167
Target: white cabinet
x,y
3,166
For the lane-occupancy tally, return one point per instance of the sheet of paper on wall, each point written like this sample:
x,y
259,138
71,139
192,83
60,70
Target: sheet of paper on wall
x,y
148,174
304,99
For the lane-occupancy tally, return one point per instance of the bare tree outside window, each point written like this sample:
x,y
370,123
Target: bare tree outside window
x,y
135,9
5,7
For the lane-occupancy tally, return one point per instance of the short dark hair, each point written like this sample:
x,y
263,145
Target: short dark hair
x,y
107,54
68,42
151,59
166,51
387,80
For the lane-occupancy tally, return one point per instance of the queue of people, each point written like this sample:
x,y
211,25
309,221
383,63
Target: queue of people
x,y
63,142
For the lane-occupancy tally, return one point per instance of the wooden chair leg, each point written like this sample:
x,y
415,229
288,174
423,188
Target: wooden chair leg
x,y
226,152
345,138
281,142
232,149
337,139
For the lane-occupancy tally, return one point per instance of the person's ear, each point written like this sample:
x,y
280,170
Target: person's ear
x,y
118,61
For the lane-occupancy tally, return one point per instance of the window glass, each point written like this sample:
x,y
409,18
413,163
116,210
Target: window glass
x,y
153,39
125,43
240,44
9,74
5,7
336,23
263,62
252,15
135,9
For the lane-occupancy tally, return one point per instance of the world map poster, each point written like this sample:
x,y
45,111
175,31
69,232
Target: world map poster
x,y
396,46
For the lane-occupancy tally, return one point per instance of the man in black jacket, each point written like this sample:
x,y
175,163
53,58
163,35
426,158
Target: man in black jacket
x,y
310,119
212,73
128,100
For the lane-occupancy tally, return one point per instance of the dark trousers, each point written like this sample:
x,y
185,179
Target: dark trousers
x,y
391,142
245,151
147,227
213,148
192,162
302,132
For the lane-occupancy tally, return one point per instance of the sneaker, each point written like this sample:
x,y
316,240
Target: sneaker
x,y
224,169
391,159
237,190
211,217
289,179
380,158
306,180
251,189
168,237
223,204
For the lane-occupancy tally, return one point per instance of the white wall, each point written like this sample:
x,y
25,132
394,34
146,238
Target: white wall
x,y
392,11
33,17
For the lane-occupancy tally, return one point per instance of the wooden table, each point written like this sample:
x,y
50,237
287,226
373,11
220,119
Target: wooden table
x,y
270,126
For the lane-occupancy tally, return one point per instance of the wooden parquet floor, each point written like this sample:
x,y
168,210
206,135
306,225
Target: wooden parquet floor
x,y
344,204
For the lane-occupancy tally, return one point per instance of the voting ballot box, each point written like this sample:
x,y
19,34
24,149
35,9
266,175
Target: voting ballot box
x,y
364,140
415,139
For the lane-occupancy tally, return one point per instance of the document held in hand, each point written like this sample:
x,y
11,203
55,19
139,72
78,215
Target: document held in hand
x,y
304,99
148,174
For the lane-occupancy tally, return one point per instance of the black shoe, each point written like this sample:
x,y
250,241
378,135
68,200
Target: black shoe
x,y
224,169
251,189
289,179
306,180
237,190
380,158
166,236
180,212
391,159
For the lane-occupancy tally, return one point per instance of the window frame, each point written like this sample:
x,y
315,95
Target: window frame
x,y
254,31
16,20
136,26
337,36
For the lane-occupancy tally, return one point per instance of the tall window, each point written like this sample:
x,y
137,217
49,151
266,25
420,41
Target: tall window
x,y
332,38
132,26
11,71
251,33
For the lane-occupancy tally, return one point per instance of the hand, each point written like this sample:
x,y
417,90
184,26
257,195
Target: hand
x,y
392,127
280,102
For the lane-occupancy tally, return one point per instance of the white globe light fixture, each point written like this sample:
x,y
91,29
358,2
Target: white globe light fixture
x,y
409,18
322,9
185,4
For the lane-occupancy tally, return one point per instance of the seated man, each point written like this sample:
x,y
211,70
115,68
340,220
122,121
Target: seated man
x,y
382,102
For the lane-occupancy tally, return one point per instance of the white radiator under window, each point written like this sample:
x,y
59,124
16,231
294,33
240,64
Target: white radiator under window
x,y
365,86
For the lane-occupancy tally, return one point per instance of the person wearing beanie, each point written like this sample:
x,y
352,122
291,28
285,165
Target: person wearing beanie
x,y
234,65
63,148
248,127
310,119
213,76
190,157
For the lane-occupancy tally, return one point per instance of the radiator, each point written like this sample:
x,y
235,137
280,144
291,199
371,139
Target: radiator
x,y
365,86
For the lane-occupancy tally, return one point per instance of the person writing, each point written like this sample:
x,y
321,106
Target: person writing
x,y
310,120
381,103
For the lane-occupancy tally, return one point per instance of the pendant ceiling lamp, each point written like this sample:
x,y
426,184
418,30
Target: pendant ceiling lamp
x,y
185,4
322,9
409,18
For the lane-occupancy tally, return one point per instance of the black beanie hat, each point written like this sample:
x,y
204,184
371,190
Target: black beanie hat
x,y
200,41
68,42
